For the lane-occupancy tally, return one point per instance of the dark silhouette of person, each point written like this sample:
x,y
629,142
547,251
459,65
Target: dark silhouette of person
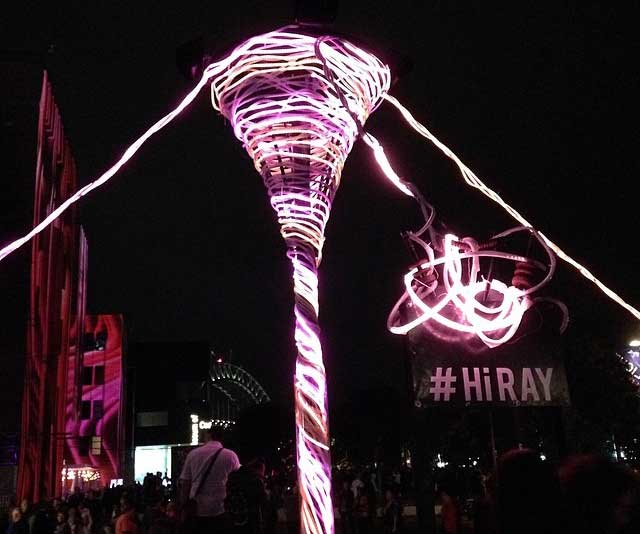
x,y
247,485
362,510
601,496
392,513
527,499
17,524
447,492
346,502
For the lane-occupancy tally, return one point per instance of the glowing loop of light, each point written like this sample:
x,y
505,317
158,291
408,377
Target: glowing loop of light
x,y
297,104
292,122
494,324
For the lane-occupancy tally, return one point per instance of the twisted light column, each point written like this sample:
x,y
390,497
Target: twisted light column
x,y
297,103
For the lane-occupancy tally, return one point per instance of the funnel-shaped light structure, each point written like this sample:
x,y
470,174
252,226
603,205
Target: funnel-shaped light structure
x,y
297,103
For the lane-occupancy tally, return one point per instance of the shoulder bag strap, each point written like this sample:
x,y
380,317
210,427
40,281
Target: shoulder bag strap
x,y
206,473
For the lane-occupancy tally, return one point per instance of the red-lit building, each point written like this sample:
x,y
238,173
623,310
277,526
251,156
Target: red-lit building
x,y
56,302
71,423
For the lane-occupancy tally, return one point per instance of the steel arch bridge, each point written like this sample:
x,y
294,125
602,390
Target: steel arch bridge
x,y
237,387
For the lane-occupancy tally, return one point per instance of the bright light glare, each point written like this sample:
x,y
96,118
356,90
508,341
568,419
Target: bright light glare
x,y
634,343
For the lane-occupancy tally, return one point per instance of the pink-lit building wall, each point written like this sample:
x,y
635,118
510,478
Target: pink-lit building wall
x,y
94,443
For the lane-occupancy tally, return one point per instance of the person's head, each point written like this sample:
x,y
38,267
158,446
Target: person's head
x,y
600,494
60,517
85,517
448,484
256,466
215,433
126,503
72,514
16,515
528,497
25,506
388,495
172,510
158,474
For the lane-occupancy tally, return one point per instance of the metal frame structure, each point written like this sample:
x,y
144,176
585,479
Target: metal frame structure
x,y
226,374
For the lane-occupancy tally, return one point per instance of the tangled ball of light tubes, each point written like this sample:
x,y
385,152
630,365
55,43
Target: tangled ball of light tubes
x,y
298,103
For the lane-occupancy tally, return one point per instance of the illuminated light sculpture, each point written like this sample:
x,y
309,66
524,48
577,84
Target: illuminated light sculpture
x,y
455,297
298,102
472,180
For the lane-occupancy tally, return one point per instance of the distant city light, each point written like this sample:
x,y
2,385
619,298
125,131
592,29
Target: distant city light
x,y
441,463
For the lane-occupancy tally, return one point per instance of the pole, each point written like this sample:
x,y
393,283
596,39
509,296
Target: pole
x,y
310,389
424,479
421,454
494,450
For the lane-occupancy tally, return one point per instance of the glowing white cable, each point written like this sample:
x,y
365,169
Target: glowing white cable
x,y
475,182
128,154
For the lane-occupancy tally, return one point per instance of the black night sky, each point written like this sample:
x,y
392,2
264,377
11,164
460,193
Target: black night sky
x,y
540,99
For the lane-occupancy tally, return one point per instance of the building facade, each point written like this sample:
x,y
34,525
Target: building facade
x,y
95,416
55,307
72,430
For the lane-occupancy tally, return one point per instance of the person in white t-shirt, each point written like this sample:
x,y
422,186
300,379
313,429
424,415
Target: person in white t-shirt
x,y
204,478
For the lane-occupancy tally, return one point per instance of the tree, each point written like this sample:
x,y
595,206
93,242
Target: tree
x,y
605,403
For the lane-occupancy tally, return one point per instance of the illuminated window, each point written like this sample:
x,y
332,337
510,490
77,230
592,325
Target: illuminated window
x,y
98,375
98,409
96,445
87,375
85,410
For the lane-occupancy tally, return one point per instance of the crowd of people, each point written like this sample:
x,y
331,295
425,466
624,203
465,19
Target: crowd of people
x,y
588,494
526,494
215,494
